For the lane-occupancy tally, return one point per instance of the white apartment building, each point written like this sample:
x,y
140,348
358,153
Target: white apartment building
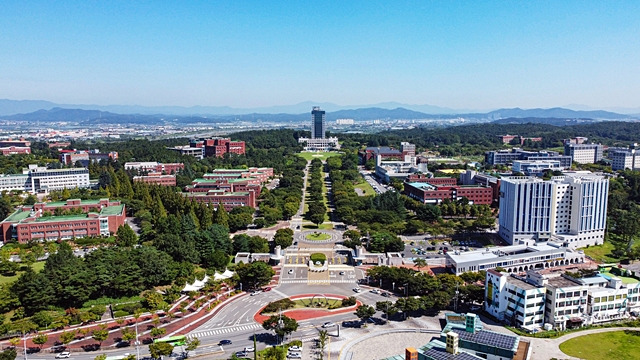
x,y
625,159
570,208
559,300
40,179
584,153
344,122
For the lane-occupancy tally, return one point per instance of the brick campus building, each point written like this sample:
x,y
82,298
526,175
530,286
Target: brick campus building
x,y
435,190
63,220
231,187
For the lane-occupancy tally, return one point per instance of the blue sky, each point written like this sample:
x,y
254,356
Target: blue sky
x,y
457,54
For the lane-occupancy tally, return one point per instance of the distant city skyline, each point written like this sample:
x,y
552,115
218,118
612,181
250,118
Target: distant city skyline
x,y
457,55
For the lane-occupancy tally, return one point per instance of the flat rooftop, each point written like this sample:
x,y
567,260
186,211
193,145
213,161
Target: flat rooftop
x,y
504,252
422,185
520,283
560,281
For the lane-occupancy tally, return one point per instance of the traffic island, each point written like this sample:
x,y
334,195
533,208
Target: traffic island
x,y
308,307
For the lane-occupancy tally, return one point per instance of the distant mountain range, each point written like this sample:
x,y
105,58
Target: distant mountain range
x,y
11,107
47,113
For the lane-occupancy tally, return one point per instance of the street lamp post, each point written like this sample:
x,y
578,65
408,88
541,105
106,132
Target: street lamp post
x,y
137,342
394,286
406,288
24,338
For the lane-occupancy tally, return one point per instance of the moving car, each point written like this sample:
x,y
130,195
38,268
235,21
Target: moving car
x,y
375,291
357,289
249,349
266,289
241,354
328,324
63,355
255,293
225,342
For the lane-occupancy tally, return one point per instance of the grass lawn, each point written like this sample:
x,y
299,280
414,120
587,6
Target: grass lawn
x,y
365,187
317,155
324,303
601,253
310,226
318,236
37,267
619,345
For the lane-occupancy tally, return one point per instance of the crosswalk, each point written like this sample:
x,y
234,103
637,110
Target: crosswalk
x,y
316,282
225,330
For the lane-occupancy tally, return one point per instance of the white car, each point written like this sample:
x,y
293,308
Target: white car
x,y
255,293
63,355
375,291
294,355
357,289
290,271
249,349
295,348
328,324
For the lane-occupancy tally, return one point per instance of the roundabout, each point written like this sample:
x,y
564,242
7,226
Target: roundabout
x,y
318,236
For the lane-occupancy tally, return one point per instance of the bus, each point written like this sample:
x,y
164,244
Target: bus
x,y
177,340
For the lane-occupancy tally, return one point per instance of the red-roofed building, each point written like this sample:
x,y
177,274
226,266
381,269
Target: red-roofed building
x,y
14,150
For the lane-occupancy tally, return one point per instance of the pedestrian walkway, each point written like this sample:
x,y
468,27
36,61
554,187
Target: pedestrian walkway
x,y
316,282
225,330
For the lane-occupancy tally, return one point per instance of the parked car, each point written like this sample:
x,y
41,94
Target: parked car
x,y
241,354
63,355
295,348
266,289
255,293
294,355
386,294
375,291
249,349
290,271
341,272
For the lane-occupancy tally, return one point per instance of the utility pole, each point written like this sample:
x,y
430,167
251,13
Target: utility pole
x,y
406,288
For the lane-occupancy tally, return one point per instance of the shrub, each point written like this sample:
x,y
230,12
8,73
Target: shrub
x,y
120,313
275,306
318,257
350,301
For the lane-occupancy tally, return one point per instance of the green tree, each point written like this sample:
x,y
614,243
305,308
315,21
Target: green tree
x,y
160,349
156,332
40,339
254,275
323,338
8,354
364,312
419,263
101,334
281,325
101,357
283,237
221,217
126,334
125,236
67,336
193,343
387,307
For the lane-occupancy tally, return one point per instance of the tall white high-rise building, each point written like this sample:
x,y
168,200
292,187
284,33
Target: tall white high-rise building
x,y
570,208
